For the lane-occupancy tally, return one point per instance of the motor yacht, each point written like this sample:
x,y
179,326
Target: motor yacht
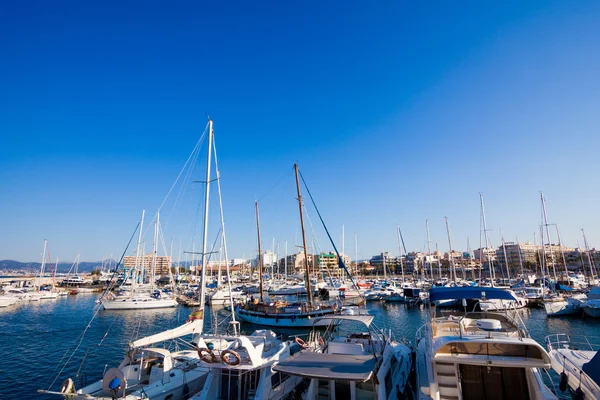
x,y
477,354
352,360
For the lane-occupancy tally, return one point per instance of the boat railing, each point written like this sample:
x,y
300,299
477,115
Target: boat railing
x,y
576,342
502,317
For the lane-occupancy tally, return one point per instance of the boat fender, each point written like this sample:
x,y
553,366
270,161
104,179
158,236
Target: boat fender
x,y
301,343
206,355
564,380
578,395
67,386
236,357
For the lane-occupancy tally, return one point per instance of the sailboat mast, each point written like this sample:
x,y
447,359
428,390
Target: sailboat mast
x,y
43,264
233,322
505,257
206,204
562,253
154,250
260,259
451,259
137,258
285,261
487,242
520,259
547,234
428,249
356,254
308,288
587,251
400,249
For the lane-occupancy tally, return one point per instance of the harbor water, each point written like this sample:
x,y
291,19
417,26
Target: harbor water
x,y
45,342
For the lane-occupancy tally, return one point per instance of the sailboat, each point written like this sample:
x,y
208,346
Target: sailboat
x,y
556,305
279,313
149,371
137,299
45,294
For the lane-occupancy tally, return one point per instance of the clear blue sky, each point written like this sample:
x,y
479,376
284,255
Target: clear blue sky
x,y
395,111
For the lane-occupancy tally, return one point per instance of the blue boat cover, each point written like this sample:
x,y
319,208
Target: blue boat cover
x,y
470,292
592,368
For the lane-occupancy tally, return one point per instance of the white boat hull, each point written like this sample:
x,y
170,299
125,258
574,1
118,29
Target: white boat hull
x,y
132,304
565,307
6,301
558,359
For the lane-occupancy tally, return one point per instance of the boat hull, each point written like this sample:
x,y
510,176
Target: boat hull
x,y
287,320
557,308
129,304
591,311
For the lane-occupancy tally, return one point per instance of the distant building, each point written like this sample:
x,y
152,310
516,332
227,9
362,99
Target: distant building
x,y
163,264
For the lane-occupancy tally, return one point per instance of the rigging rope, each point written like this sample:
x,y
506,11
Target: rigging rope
x,y
340,261
82,335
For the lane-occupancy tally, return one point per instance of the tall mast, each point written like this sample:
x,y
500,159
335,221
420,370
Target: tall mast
x,y
233,322
547,234
43,264
520,259
308,288
285,261
260,259
562,253
471,258
138,257
400,249
356,254
505,257
428,249
155,249
587,251
206,204
384,269
451,255
487,241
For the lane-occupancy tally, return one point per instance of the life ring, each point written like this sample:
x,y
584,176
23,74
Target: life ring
x,y
321,342
301,343
206,355
236,357
67,386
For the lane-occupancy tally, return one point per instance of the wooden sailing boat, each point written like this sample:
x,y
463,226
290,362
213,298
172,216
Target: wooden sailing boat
x,y
280,313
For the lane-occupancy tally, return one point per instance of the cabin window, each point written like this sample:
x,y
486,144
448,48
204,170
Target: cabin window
x,y
492,349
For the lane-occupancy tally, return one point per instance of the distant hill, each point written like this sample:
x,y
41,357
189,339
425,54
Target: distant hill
x,y
35,266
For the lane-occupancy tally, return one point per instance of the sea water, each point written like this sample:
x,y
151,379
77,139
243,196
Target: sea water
x,y
43,343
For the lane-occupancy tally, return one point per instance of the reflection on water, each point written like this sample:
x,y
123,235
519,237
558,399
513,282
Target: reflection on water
x,y
41,336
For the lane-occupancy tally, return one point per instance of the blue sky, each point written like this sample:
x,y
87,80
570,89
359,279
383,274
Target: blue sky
x,y
396,112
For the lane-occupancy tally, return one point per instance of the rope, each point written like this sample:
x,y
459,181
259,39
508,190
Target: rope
x,y
340,261
273,187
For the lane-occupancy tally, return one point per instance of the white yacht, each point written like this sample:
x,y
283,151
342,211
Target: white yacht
x,y
520,301
563,305
138,301
221,296
578,368
591,306
350,363
6,301
478,355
